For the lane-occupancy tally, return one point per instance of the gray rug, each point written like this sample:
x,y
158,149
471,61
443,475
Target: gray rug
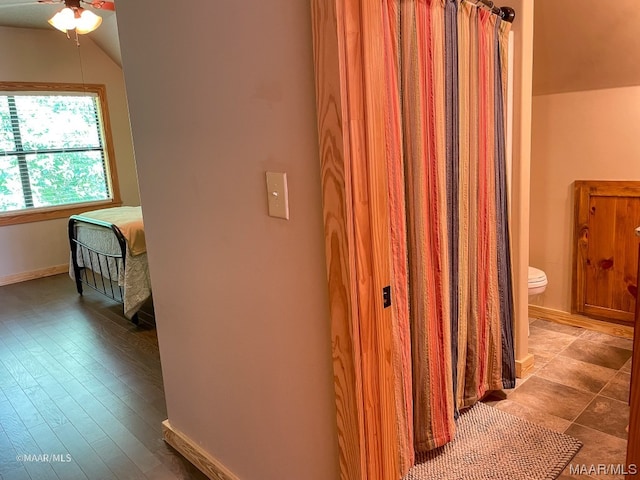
x,y
492,444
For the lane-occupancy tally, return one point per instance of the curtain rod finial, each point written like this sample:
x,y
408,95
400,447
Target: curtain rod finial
x,y
508,14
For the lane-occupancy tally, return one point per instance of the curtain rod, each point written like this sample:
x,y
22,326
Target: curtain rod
x,y
507,14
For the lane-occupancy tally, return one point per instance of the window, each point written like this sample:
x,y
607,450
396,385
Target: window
x,y
55,151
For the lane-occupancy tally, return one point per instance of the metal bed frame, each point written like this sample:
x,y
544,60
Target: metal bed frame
x,y
100,270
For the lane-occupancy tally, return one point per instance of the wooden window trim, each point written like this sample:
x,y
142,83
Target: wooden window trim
x,y
63,211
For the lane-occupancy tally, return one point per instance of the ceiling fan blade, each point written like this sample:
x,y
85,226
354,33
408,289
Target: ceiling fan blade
x,y
24,4
103,5
28,4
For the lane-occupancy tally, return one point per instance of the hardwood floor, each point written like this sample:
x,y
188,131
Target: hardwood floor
x,y
81,393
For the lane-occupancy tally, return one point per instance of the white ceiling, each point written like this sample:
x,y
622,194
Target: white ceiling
x,y
31,14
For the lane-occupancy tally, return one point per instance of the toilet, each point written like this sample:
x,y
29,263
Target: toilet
x,y
537,281
537,284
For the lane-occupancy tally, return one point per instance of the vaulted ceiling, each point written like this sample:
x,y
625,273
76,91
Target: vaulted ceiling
x,y
585,45
578,45
31,14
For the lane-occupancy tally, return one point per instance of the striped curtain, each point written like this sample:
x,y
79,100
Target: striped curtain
x,y
446,122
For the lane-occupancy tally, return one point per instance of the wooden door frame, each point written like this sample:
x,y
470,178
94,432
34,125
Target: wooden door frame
x,y
349,72
633,438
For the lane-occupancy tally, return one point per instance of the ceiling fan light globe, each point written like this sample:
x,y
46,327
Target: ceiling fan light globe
x,y
87,22
64,20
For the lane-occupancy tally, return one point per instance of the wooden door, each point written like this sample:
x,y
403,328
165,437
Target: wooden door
x,y
633,445
605,281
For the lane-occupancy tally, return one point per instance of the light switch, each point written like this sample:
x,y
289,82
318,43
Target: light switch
x,y
277,195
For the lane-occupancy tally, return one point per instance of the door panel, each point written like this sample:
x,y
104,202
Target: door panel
x,y
605,255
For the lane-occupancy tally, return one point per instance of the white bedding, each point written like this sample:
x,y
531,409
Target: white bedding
x,y
134,279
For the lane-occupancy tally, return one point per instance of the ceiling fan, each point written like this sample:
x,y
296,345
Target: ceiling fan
x,y
74,17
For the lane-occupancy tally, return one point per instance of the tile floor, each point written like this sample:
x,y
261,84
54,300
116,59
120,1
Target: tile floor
x,y
579,386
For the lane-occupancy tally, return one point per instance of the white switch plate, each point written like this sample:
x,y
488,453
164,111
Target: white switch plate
x,y
277,195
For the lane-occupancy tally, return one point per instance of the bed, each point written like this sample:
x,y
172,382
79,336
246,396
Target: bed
x,y
108,254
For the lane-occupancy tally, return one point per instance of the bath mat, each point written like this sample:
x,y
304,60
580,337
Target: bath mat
x,y
492,444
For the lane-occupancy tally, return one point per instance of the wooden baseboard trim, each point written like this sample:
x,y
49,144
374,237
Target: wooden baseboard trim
x,y
208,465
524,366
566,318
25,276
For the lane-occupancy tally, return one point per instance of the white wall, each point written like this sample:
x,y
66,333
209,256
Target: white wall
x,y
219,94
30,55
591,135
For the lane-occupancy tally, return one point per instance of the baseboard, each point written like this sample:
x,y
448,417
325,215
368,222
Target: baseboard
x,y
566,318
524,366
208,465
25,276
